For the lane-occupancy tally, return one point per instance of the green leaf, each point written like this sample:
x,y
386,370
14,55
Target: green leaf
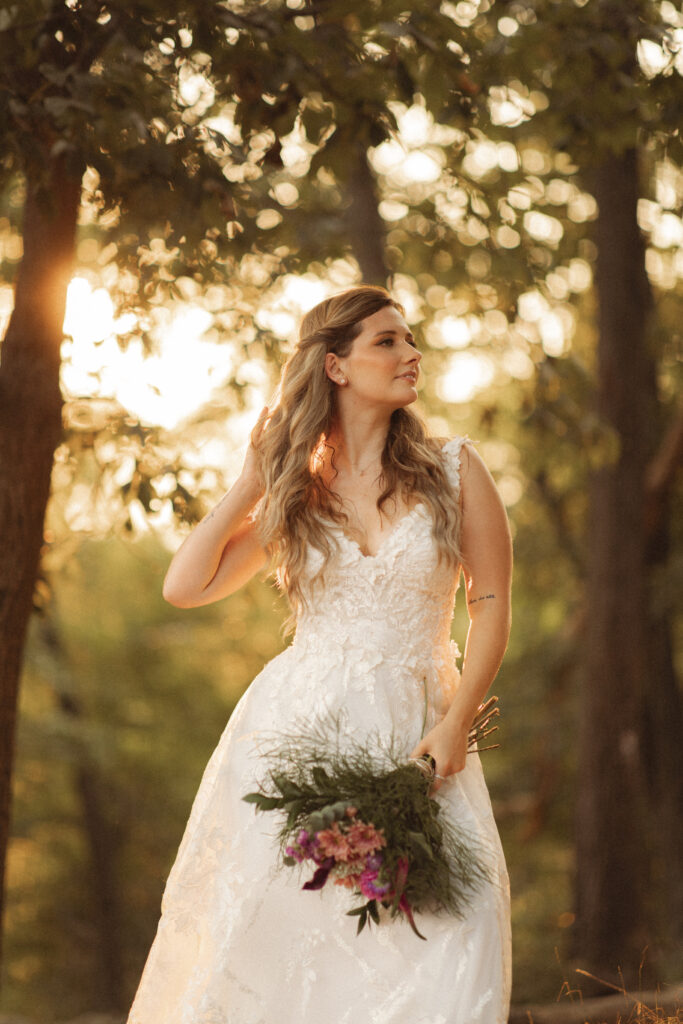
x,y
328,816
252,798
288,788
315,822
263,802
339,809
320,777
419,842
270,803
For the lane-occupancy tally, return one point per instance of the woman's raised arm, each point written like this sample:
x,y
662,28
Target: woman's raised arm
x,y
223,551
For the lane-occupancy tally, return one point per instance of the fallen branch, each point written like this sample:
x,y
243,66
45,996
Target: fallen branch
x,y
645,1008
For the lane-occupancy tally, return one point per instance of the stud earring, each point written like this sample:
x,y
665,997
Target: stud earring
x,y
342,380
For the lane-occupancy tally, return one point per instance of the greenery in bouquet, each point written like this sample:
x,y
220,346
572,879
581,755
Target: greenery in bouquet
x,y
364,818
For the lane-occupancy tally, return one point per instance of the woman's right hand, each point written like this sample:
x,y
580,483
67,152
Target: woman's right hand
x,y
224,550
251,473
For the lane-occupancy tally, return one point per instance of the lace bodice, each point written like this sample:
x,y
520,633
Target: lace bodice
x,y
396,605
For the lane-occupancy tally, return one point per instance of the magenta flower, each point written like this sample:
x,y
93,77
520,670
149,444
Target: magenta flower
x,y
370,887
307,843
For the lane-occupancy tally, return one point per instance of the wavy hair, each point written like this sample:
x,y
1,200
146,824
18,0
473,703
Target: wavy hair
x,y
296,501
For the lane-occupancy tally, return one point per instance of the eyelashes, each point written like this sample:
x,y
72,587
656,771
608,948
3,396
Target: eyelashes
x,y
391,340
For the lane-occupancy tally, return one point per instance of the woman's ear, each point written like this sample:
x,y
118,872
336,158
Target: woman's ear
x,y
333,368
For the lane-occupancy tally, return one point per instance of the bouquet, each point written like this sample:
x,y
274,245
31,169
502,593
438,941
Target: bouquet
x,y
364,819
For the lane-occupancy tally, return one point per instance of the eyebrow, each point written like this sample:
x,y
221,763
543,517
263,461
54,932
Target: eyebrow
x,y
380,333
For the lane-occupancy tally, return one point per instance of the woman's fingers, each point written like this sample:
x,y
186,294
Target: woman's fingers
x,y
260,423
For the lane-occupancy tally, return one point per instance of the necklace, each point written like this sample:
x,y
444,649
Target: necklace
x,y
362,472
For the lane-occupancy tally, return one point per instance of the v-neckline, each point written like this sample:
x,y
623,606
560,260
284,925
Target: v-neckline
x,y
385,539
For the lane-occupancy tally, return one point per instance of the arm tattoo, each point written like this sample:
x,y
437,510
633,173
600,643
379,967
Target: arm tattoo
x,y
484,597
213,511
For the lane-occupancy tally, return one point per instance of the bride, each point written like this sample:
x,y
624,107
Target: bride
x,y
368,522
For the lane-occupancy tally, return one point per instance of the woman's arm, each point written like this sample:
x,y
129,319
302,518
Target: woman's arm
x,y
223,551
487,564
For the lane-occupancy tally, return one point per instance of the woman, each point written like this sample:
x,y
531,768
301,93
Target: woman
x,y
368,521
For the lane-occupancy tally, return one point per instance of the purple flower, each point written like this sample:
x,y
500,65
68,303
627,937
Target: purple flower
x,y
307,844
292,851
373,861
369,886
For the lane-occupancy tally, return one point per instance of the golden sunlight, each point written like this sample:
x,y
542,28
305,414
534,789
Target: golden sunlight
x,y
467,373
164,387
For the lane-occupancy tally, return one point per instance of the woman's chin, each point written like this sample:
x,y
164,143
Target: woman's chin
x,y
410,397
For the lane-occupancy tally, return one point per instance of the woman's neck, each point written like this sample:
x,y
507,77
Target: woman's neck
x,y
358,445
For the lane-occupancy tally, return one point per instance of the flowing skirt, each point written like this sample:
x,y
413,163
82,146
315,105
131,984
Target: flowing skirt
x,y
238,942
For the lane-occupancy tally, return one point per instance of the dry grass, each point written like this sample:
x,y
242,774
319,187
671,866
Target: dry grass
x,y
658,1007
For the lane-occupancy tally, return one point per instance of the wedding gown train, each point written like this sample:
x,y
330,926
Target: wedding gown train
x,y
238,942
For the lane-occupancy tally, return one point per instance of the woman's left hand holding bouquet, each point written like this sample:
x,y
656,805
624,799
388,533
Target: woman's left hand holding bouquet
x,y
447,744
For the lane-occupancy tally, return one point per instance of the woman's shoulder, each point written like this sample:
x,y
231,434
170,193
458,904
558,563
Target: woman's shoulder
x,y
452,447
453,453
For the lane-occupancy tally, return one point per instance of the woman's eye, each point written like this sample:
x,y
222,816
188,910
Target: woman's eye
x,y
390,341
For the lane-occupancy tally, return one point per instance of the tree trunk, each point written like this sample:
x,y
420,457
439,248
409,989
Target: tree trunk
x,y
102,840
663,709
30,429
613,926
365,226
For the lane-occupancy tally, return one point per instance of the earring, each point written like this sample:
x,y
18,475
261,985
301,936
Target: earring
x,y
342,380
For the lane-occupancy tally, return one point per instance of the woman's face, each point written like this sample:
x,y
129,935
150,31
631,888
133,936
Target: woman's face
x,y
383,364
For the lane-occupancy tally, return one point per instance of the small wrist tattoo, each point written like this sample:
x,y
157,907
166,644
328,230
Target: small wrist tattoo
x,y
484,597
213,511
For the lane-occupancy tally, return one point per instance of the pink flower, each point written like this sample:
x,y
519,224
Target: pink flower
x,y
365,838
350,881
333,843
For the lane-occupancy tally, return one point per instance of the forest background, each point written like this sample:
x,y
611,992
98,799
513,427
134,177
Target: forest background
x,y
176,188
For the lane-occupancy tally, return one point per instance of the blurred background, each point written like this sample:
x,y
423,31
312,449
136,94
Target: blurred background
x,y
176,189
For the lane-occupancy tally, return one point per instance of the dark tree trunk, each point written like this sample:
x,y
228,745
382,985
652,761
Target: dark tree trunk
x,y
102,840
613,821
30,429
663,710
365,226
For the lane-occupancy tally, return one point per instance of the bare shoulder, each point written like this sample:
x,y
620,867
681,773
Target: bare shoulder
x,y
474,473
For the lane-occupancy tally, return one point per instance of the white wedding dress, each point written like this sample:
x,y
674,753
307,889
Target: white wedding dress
x,y
238,942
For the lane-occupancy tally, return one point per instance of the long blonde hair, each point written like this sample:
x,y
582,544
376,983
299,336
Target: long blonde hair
x,y
296,500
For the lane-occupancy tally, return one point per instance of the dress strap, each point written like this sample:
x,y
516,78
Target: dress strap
x,y
452,452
